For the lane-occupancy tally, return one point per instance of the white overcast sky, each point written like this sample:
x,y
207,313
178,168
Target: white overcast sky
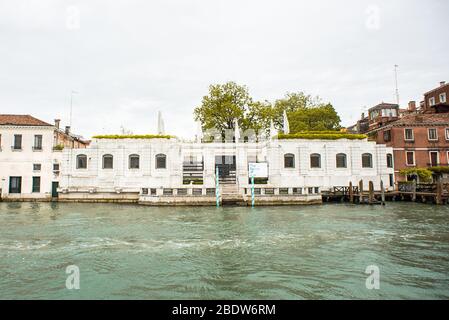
x,y
129,59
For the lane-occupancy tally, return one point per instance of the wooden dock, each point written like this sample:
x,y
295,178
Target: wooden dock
x,y
437,193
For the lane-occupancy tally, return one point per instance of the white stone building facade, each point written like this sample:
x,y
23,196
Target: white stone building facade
x,y
151,169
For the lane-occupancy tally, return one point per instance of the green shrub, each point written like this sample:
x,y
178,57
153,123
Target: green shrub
x,y
439,170
133,136
58,147
424,174
322,135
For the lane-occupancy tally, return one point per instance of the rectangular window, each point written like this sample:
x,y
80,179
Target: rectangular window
x,y
36,184
432,101
55,166
15,184
391,180
387,135
443,97
433,135
37,142
447,133
410,158
0,142
17,142
408,134
37,167
434,158
389,160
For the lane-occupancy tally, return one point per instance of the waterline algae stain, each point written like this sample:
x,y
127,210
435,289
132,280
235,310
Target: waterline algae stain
x,y
133,252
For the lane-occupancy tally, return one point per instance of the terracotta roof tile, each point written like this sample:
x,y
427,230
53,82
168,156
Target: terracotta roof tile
x,y
21,120
433,119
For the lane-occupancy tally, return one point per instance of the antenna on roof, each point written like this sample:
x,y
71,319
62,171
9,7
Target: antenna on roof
x,y
396,82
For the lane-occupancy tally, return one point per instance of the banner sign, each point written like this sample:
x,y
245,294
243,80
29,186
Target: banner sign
x,y
258,170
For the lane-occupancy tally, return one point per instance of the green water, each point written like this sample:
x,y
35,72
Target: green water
x,y
310,252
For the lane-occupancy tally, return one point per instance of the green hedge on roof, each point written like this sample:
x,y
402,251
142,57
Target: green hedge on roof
x,y
133,136
323,135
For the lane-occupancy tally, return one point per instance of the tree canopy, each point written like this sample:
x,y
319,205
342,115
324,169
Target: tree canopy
x,y
305,113
224,103
230,101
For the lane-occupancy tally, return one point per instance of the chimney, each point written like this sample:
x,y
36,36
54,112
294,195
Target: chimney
x,y
412,106
442,83
67,129
57,123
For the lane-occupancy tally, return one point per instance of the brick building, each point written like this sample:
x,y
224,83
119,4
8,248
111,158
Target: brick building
x,y
419,136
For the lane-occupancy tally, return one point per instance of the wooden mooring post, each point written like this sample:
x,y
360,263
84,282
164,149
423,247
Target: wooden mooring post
x,y
361,191
439,198
371,193
414,191
382,191
351,193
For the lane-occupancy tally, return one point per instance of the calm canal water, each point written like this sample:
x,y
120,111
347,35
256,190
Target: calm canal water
x,y
309,252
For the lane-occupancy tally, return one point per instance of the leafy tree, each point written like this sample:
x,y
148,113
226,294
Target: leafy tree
x,y
224,103
321,118
259,117
305,113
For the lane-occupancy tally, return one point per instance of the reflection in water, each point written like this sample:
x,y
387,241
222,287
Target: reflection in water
x,y
127,251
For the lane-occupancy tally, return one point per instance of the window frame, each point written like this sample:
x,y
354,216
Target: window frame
x,y
443,94
36,188
406,158
436,134
405,134
371,165
108,155
79,156
345,158
385,133
14,146
158,157
18,189
319,160
432,101
37,165
430,158
134,155
289,156
38,138
390,161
